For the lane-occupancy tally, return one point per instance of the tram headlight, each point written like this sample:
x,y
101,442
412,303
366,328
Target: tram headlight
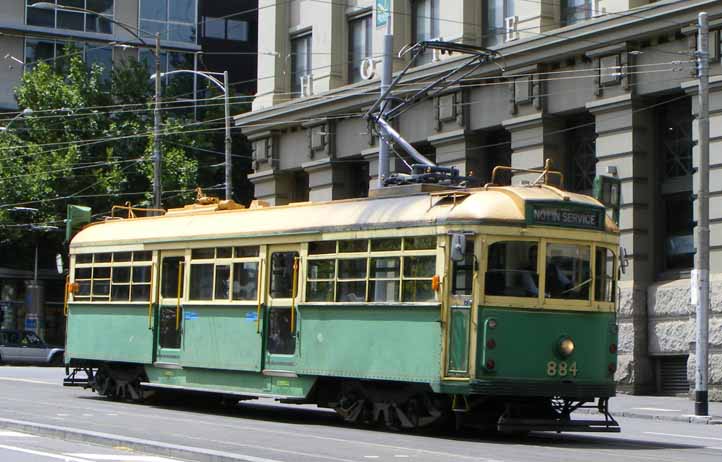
x,y
566,346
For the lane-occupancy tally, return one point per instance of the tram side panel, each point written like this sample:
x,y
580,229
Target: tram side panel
x,y
114,333
398,343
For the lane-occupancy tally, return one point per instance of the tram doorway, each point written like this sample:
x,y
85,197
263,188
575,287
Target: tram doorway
x,y
282,290
463,268
169,317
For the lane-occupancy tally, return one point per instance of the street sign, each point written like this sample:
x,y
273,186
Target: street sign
x,y
383,9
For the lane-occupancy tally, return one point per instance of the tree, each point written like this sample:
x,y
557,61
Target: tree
x,y
89,142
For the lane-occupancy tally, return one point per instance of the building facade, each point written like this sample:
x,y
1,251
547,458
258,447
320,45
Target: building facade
x,y
195,34
596,86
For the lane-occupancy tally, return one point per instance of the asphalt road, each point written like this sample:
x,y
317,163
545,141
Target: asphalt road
x,y
25,447
265,431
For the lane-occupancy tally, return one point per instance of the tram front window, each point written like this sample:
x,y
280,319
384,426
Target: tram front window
x,y
512,270
568,273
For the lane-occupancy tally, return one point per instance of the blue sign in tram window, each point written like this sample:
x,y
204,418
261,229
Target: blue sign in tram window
x,y
383,9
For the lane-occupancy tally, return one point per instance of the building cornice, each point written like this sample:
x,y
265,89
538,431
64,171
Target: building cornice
x,y
567,41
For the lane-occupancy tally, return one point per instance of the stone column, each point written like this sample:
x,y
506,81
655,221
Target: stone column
x,y
715,218
534,139
273,80
271,187
624,142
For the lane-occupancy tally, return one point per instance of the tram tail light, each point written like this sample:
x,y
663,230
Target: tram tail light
x,y
436,283
612,368
613,348
491,344
490,364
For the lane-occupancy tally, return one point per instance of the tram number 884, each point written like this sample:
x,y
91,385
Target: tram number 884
x,y
561,369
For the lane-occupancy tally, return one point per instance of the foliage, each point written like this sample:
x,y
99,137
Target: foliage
x,y
89,142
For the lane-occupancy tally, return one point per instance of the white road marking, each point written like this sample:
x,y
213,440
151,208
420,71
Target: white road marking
x,y
49,455
42,382
684,436
713,447
401,456
12,434
121,457
656,409
371,457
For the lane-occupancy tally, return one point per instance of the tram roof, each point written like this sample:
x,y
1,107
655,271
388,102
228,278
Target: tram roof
x,y
493,205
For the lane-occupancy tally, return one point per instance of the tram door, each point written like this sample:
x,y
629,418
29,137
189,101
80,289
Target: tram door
x,y
462,278
282,290
170,307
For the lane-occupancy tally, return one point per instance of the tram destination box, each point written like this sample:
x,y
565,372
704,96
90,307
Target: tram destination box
x,y
566,215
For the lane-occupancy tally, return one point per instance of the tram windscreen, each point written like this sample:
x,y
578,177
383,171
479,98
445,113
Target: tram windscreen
x,y
512,270
568,273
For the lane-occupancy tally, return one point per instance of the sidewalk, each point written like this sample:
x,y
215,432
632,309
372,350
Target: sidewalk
x,y
662,408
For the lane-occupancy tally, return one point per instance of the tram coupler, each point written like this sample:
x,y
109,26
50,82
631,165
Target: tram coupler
x,y
73,380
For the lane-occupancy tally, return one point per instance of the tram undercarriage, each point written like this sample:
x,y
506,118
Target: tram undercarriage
x,y
395,406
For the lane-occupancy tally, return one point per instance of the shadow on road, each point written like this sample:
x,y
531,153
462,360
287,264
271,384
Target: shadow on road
x,y
306,415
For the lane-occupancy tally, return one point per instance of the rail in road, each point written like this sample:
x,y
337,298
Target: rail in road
x,y
265,431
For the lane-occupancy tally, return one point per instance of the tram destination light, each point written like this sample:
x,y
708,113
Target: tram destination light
x,y
607,190
78,216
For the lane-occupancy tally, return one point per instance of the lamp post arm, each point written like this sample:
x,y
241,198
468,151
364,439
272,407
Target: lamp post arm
x,y
207,75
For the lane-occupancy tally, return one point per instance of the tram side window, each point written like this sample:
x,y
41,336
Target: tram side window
x,y
568,272
604,285
282,274
170,269
245,281
463,274
114,277
389,270
320,277
512,269
222,274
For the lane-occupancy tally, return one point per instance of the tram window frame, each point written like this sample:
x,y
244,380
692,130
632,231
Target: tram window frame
x,y
530,298
213,261
97,276
585,286
405,286
604,278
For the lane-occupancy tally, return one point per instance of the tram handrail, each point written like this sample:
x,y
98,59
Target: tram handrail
x,y
150,297
258,288
294,291
178,297
131,210
542,173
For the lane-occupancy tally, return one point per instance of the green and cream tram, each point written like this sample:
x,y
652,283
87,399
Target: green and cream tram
x,y
495,304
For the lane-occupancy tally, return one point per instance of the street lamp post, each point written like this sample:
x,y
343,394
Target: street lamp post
x,y
135,32
227,106
25,112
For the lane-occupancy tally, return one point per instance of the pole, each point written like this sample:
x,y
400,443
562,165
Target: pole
x,y
701,258
386,77
157,187
229,166
35,268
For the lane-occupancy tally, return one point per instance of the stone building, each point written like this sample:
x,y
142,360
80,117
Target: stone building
x,y
597,86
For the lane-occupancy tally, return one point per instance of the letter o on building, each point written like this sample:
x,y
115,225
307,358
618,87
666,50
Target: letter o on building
x,y
368,69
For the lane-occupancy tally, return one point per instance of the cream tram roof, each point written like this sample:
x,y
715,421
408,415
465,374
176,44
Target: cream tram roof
x,y
495,204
